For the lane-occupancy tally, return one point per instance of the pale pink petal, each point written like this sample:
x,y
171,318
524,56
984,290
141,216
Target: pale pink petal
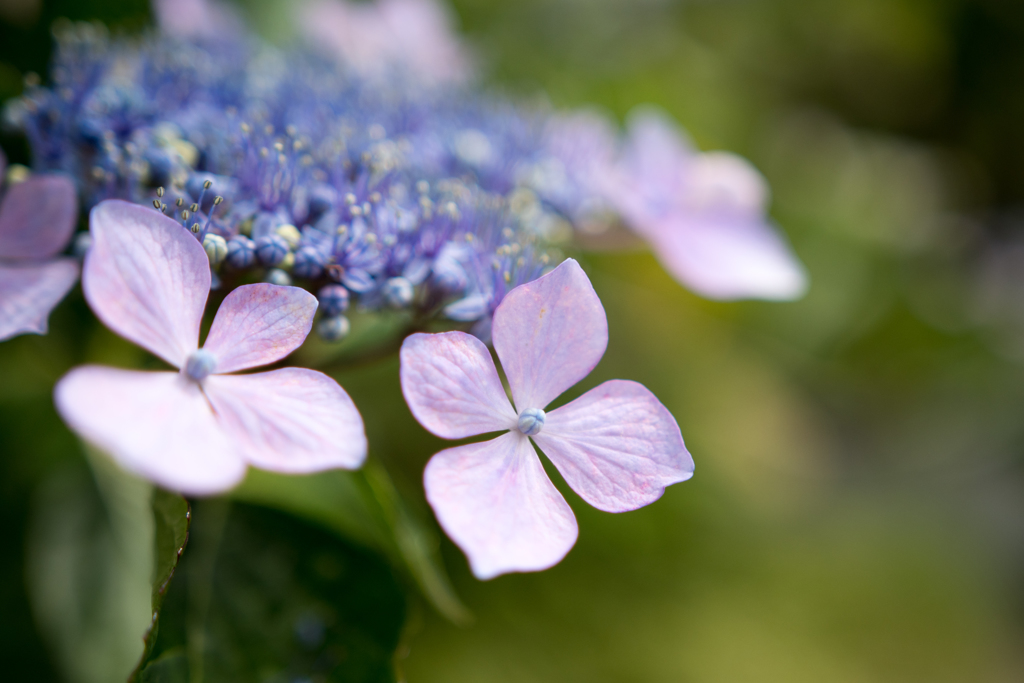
x,y
37,217
425,40
496,502
289,420
729,257
155,424
657,150
147,278
259,324
452,386
724,182
704,215
355,33
617,446
196,18
549,334
29,293
373,38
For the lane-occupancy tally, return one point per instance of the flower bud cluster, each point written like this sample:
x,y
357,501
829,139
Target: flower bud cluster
x,y
290,171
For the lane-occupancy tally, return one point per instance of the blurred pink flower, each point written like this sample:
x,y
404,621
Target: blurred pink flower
x,y
617,446
194,431
37,217
373,38
196,18
704,214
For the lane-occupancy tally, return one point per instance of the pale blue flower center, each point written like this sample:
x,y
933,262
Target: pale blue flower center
x,y
200,364
531,421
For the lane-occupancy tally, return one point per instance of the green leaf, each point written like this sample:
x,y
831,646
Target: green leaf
x,y
372,335
417,544
263,596
365,507
102,550
89,563
171,516
172,667
336,499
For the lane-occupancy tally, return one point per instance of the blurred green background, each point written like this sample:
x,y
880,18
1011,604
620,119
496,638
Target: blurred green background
x,y
857,512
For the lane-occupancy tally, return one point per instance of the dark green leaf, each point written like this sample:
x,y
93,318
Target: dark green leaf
x,y
364,507
262,596
172,667
171,520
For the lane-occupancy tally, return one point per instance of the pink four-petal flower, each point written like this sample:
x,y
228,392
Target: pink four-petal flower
x,y
704,214
37,217
196,430
617,446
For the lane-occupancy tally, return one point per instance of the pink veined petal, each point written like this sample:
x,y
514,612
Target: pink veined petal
x,y
155,424
549,334
289,420
147,278
452,386
617,446
37,217
259,324
496,502
29,293
729,257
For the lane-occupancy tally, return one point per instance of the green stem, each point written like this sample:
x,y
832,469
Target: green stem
x,y
206,547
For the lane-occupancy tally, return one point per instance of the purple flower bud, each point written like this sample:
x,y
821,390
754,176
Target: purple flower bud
x,y
333,300
309,262
271,249
241,252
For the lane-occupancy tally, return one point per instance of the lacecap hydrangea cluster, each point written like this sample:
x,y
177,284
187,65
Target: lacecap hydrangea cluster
x,y
380,193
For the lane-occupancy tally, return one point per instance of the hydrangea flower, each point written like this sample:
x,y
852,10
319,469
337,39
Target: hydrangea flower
x,y
194,431
617,446
704,214
37,217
